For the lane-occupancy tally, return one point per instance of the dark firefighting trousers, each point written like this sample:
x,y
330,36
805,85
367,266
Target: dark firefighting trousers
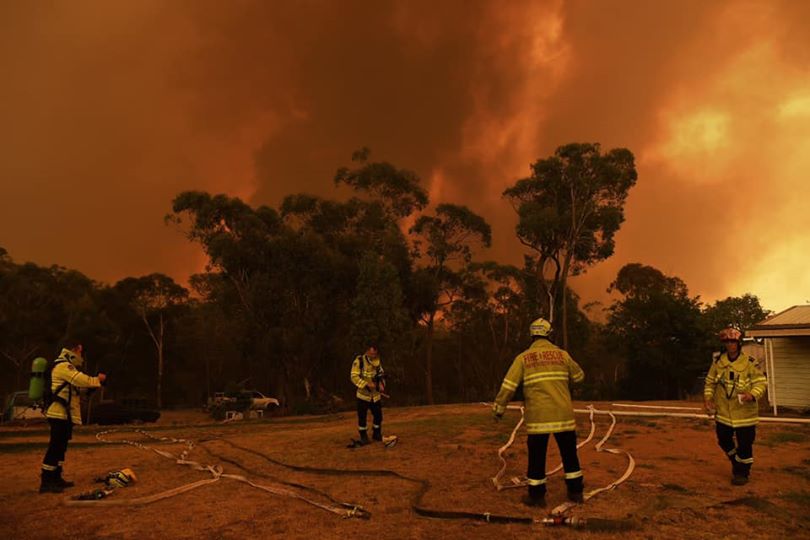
x,y
567,443
740,454
61,433
376,413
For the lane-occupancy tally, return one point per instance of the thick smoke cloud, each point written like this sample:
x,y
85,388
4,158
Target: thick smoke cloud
x,y
110,109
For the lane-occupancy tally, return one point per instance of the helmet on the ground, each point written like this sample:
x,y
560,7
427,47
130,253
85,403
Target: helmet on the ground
x,y
540,328
122,478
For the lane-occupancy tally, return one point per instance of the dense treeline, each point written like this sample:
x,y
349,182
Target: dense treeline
x,y
291,294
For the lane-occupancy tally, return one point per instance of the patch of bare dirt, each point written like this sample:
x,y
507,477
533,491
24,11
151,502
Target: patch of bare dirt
x,y
680,488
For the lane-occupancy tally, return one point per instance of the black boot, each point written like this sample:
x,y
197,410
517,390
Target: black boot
x,y
575,486
739,480
377,436
49,483
61,481
363,437
739,474
536,497
576,496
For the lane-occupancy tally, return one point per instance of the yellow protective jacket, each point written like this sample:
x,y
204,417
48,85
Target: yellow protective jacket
x,y
63,371
364,370
545,371
726,380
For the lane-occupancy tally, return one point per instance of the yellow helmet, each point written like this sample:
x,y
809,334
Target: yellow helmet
x,y
540,328
122,478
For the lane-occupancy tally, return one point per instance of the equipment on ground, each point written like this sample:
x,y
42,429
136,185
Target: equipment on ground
x,y
93,494
590,524
389,441
116,479
112,481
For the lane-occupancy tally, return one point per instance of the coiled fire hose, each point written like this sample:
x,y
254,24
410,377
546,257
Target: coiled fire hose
x,y
345,510
599,447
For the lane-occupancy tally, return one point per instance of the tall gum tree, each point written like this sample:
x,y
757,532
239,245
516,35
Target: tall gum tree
x,y
154,298
569,211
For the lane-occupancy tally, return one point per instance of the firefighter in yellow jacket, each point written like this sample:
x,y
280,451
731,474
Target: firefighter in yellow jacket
x,y
368,376
64,412
545,371
734,384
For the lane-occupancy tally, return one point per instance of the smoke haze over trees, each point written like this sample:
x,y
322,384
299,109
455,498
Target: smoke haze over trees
x,y
290,294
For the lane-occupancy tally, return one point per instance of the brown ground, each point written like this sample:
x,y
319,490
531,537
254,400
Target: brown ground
x,y
680,481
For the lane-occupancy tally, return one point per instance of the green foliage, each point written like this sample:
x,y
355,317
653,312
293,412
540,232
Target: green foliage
x,y
290,295
569,211
39,308
398,190
740,312
378,312
450,234
659,330
446,240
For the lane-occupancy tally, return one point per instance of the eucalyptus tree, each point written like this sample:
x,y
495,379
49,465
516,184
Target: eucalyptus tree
x,y
569,211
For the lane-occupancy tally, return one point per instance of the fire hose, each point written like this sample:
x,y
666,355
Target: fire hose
x,y
522,481
345,510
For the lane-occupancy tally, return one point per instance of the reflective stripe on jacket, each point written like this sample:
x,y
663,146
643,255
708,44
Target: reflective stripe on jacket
x,y
545,371
371,369
726,380
65,372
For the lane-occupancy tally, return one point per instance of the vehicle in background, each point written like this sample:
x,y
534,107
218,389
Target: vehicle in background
x,y
259,401
243,400
20,407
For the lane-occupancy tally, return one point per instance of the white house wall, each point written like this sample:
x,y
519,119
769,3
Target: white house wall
x,y
791,366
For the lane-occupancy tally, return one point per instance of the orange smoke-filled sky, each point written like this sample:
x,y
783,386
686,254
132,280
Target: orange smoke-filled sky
x,y
109,109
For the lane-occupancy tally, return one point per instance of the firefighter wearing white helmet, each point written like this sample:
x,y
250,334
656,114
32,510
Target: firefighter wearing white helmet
x,y
64,412
733,386
545,371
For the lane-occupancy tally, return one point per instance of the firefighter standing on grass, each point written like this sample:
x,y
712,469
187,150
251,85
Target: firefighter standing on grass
x,y
545,371
734,384
368,376
64,412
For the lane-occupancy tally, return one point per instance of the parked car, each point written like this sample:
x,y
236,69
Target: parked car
x,y
256,400
20,407
260,401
